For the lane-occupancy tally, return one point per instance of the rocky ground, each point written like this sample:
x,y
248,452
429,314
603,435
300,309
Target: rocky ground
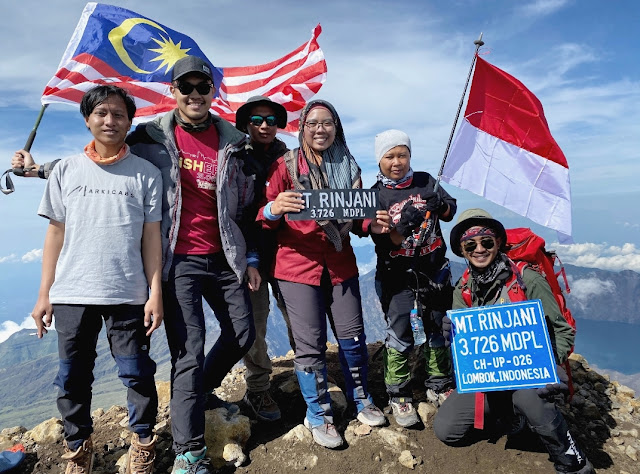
x,y
604,416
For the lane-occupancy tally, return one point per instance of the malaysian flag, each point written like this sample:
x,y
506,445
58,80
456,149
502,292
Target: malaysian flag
x,y
117,46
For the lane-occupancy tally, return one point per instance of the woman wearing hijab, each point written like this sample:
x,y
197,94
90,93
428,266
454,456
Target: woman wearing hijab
x,y
316,269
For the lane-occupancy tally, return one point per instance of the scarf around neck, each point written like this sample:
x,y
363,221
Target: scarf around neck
x,y
90,151
192,127
402,183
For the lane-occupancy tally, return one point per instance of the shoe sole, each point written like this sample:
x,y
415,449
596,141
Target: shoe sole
x,y
337,444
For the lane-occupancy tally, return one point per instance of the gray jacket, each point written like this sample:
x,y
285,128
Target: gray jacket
x,y
155,141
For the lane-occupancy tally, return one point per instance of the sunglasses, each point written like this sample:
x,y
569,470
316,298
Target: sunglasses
x,y
257,120
186,88
487,242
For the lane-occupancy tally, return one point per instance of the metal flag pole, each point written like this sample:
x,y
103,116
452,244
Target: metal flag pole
x,y
424,227
27,147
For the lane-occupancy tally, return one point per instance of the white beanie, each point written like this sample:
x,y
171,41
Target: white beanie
x,y
389,139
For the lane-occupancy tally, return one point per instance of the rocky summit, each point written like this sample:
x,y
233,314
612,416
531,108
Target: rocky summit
x,y
604,415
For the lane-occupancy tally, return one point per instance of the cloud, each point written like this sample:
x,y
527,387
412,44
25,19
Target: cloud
x,y
8,328
9,258
540,8
32,256
590,255
586,289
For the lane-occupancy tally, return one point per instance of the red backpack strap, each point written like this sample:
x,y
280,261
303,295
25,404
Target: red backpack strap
x,y
478,417
464,285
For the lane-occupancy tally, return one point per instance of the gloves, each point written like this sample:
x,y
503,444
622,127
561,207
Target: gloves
x,y
410,218
446,330
435,203
550,390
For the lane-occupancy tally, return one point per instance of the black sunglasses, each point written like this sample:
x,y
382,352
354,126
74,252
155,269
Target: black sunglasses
x,y
487,242
186,88
258,119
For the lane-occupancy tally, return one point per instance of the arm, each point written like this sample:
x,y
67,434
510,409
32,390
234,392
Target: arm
x,y
24,159
561,334
42,312
279,198
152,261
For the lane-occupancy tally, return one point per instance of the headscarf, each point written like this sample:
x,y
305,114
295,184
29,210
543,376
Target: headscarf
x,y
338,169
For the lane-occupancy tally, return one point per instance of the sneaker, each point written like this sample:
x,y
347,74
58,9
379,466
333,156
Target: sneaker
x,y
192,462
212,402
79,461
403,412
325,435
141,456
438,398
262,405
372,415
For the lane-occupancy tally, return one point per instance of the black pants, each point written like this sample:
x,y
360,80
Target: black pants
x,y
78,327
192,278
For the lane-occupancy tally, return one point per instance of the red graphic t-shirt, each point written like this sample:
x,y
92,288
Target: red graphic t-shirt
x,y
199,233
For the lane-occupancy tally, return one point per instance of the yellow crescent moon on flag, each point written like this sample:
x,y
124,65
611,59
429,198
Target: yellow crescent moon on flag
x,y
118,34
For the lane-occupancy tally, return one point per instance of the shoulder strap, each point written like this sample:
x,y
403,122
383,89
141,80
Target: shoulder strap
x,y
466,291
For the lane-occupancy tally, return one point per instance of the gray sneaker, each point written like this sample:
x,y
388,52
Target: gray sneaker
x,y
403,412
437,398
372,415
325,435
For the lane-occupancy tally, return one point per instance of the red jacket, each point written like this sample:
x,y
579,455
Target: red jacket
x,y
303,248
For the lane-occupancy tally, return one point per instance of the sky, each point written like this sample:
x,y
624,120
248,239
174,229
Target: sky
x,y
398,64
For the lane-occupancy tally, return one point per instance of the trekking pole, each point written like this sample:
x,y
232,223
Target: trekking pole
x,y
27,146
425,226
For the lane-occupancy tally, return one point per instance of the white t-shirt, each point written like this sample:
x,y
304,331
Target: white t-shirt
x,y
103,208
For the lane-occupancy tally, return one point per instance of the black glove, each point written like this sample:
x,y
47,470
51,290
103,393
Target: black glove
x,y
446,330
435,203
550,390
410,218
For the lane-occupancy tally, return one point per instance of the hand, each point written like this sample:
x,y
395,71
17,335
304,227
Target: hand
x,y
254,278
22,159
410,218
381,224
435,204
287,202
446,330
42,313
153,313
550,390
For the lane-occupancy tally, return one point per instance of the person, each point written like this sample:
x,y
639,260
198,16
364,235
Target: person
x,y
102,259
261,118
411,274
481,239
206,248
316,269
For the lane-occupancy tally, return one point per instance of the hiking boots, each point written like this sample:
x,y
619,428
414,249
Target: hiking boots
x,y
262,405
141,456
79,461
192,462
325,434
403,412
371,415
212,402
437,398
587,468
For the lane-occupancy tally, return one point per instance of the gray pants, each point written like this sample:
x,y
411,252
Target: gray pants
x,y
257,360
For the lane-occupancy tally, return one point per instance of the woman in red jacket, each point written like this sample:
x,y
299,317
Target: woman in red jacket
x,y
316,268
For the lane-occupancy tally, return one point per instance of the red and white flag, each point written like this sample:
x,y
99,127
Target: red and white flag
x,y
504,152
113,45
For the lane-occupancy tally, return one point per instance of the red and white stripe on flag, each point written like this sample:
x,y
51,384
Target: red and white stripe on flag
x,y
291,81
504,151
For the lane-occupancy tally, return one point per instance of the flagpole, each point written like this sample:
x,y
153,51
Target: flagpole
x,y
425,224
27,146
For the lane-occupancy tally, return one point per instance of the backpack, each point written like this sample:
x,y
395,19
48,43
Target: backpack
x,y
527,249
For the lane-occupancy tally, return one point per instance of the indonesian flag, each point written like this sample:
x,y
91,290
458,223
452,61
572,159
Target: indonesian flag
x,y
504,152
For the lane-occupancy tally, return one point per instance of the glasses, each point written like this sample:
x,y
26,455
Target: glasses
x,y
186,88
326,124
258,120
487,242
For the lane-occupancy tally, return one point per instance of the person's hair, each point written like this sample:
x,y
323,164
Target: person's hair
x,y
97,95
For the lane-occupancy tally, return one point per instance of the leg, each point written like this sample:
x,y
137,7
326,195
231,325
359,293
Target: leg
x,y
283,310
184,325
130,349
229,300
545,419
454,419
346,317
78,328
